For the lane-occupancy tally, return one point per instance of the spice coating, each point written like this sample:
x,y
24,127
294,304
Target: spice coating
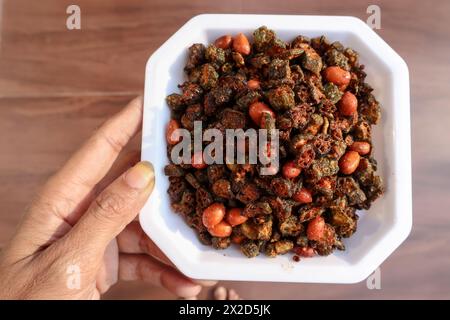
x,y
314,92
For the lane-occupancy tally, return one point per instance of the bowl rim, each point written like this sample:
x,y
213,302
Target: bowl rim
x,y
402,145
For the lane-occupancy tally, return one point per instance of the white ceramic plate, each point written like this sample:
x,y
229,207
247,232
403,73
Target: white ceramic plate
x,y
380,230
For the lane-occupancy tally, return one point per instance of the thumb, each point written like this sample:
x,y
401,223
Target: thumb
x,y
114,208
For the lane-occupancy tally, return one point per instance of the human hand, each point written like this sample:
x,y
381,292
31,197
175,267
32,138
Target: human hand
x,y
81,225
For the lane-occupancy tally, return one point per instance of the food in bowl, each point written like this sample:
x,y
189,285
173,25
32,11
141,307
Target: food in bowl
x,y
314,94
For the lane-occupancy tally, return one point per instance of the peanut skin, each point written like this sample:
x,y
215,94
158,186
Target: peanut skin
x,y
253,84
171,136
348,104
338,76
213,215
224,42
221,230
349,162
361,147
241,44
235,217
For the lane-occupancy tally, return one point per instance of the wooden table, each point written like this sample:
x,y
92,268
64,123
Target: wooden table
x,y
56,86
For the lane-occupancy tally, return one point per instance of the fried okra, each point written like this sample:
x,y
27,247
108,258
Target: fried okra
x,y
314,93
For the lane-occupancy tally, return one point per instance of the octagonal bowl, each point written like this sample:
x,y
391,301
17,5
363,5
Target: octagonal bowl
x,y
380,230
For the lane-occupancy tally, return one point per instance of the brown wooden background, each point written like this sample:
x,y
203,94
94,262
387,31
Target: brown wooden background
x,y
57,85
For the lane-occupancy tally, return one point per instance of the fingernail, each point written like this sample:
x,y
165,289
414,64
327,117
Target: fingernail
x,y
140,176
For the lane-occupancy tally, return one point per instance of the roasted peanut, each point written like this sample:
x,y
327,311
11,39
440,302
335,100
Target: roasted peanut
x,y
316,228
213,214
171,134
241,44
290,170
303,196
348,104
234,217
256,109
223,42
361,147
349,162
253,84
221,230
338,76
197,161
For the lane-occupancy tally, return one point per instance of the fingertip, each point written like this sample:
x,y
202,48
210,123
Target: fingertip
x,y
179,284
205,283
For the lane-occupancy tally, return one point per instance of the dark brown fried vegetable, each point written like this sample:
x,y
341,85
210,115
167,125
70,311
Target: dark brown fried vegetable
x,y
257,231
281,98
314,93
196,56
175,102
307,213
248,193
291,227
215,172
256,208
172,170
250,248
311,60
222,188
282,187
208,76
220,243
278,247
192,93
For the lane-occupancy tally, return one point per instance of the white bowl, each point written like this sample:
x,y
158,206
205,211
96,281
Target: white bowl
x,y
380,230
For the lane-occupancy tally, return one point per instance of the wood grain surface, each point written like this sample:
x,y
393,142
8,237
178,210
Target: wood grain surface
x,y
57,86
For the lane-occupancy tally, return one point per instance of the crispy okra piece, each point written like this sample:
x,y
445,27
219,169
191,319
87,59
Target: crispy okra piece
x,y
347,186
315,123
320,44
192,93
238,59
282,187
173,170
175,102
370,110
263,38
193,113
250,248
311,60
215,172
332,92
259,60
196,56
255,230
256,208
279,69
215,55
300,41
244,102
278,247
362,131
220,243
307,213
222,188
208,77
335,57
267,122
291,227
281,98
323,167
